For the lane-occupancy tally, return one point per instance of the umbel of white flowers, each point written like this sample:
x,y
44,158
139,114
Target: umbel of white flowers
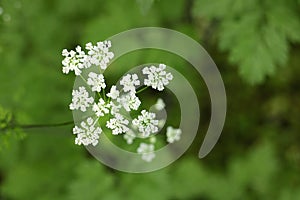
x,y
117,103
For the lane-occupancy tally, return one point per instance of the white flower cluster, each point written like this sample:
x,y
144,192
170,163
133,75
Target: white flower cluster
x,y
81,99
147,151
146,123
101,108
173,134
77,60
118,124
99,54
87,133
96,81
129,136
116,107
157,77
130,101
129,82
160,104
114,93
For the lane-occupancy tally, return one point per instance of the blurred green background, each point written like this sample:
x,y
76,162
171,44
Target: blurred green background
x,y
255,44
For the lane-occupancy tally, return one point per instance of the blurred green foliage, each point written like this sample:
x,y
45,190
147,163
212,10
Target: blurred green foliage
x,y
255,33
8,131
258,155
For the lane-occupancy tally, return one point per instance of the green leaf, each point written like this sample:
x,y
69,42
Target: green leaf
x,y
256,34
211,9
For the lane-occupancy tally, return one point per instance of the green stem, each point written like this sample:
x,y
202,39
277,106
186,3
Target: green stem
x,y
33,126
99,95
29,126
83,79
141,90
104,95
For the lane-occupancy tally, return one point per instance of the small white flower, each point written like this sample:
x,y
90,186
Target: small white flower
x,y
115,108
153,139
118,124
173,134
114,93
129,101
161,123
74,61
129,136
87,133
157,77
146,123
147,151
99,55
96,81
129,82
81,99
101,108
160,104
